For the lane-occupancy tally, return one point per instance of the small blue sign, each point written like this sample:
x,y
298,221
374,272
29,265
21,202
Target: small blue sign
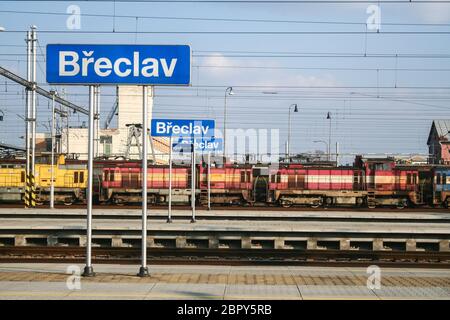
x,y
206,144
182,128
209,145
118,64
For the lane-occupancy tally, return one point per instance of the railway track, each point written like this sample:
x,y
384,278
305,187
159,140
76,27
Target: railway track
x,y
228,257
262,207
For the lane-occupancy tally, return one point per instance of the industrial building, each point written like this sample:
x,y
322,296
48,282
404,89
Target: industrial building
x,y
124,141
438,142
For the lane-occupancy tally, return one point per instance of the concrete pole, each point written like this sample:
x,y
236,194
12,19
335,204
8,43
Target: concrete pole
x,y
143,270
88,270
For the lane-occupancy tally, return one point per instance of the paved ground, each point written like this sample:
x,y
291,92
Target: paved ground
x,y
49,281
227,225
390,214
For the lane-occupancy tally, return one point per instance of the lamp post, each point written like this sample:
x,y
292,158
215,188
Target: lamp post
x,y
288,149
52,178
322,141
228,91
329,136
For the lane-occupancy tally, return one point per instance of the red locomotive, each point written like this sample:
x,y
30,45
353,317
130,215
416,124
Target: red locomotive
x,y
315,185
230,184
121,185
369,182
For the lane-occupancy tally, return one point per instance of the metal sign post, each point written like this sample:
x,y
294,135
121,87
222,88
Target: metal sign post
x,y
193,183
143,270
88,269
52,171
209,180
169,212
113,65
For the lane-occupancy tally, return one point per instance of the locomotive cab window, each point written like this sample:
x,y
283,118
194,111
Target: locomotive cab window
x,y
81,177
438,178
408,178
444,178
75,177
22,176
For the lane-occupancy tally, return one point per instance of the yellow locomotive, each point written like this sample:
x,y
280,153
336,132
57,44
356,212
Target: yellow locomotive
x,y
70,181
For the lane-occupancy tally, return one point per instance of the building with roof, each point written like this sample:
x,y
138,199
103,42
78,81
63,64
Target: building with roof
x,y
118,142
438,142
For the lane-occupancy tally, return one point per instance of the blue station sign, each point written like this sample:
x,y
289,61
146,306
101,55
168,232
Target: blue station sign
x,y
118,64
205,144
182,128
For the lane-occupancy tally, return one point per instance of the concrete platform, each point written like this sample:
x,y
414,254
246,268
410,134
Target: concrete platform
x,y
394,214
49,281
227,225
344,235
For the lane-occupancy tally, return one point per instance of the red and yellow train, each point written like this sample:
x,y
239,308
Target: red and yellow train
x,y
368,182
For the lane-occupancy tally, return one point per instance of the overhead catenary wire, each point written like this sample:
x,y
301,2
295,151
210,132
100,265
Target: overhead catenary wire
x,y
115,16
234,32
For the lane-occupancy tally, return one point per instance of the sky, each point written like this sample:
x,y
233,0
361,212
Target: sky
x,y
382,89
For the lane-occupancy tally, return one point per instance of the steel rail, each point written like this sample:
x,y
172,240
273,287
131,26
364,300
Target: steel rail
x,y
229,256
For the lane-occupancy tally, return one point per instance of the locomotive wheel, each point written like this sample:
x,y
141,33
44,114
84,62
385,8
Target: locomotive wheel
x,y
315,204
329,201
359,202
68,201
286,203
118,202
371,205
402,204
